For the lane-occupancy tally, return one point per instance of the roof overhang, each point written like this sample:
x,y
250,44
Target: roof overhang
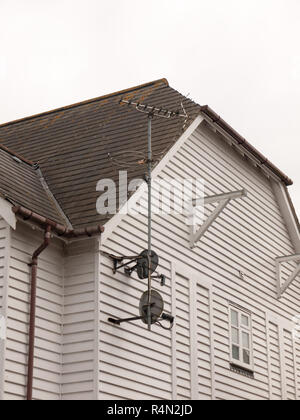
x,y
259,159
7,214
59,230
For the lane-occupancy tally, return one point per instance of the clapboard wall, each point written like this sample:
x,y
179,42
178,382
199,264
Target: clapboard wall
x,y
4,249
48,354
4,264
79,355
66,327
79,352
235,259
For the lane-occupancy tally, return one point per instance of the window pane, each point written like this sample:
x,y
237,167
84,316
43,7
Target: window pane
x,y
246,357
235,352
246,340
235,336
245,320
234,318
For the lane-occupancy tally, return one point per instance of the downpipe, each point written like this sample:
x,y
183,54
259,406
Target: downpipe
x,y
34,269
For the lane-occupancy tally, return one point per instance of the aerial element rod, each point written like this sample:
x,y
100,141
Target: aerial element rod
x,y
149,180
153,110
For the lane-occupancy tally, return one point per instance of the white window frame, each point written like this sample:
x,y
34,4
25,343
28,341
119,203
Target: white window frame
x,y
241,328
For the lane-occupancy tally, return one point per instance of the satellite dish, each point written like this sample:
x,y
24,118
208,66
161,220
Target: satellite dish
x,y
156,306
142,264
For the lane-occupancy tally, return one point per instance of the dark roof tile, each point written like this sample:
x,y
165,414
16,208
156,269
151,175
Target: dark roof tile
x,y
72,144
19,183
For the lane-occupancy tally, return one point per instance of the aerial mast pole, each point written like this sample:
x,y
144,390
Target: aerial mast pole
x,y
152,111
149,181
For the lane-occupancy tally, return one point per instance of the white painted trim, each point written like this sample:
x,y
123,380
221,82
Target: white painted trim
x,y
282,362
281,325
239,148
7,255
174,331
7,213
193,339
196,236
220,197
188,272
280,192
196,280
241,329
297,390
212,344
268,357
114,222
278,261
288,258
97,267
223,200
275,319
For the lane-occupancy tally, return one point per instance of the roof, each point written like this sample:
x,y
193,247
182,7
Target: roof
x,y
19,182
71,145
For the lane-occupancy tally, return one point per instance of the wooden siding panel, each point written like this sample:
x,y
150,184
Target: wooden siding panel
x,y
247,237
283,360
134,363
79,325
3,240
290,367
47,369
183,338
4,264
204,331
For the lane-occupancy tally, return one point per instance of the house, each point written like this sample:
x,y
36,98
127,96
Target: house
x,y
232,284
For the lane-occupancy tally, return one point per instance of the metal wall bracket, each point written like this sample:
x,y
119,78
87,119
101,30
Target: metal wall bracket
x,y
223,200
118,263
281,288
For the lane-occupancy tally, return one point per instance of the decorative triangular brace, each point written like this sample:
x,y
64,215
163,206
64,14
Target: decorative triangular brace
x,y
281,288
223,200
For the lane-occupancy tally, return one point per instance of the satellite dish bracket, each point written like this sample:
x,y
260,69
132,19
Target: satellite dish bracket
x,y
117,265
119,260
164,317
151,311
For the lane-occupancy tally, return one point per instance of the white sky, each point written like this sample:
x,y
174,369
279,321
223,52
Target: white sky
x,y
242,57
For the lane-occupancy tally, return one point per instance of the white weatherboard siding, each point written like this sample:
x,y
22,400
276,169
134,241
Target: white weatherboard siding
x,y
80,355
4,247
193,360
4,264
283,358
47,371
65,345
193,336
79,323
134,363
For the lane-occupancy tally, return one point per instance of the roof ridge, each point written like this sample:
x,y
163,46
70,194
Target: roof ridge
x,y
88,101
51,196
17,155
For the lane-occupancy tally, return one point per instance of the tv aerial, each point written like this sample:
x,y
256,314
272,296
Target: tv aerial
x,y
151,303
